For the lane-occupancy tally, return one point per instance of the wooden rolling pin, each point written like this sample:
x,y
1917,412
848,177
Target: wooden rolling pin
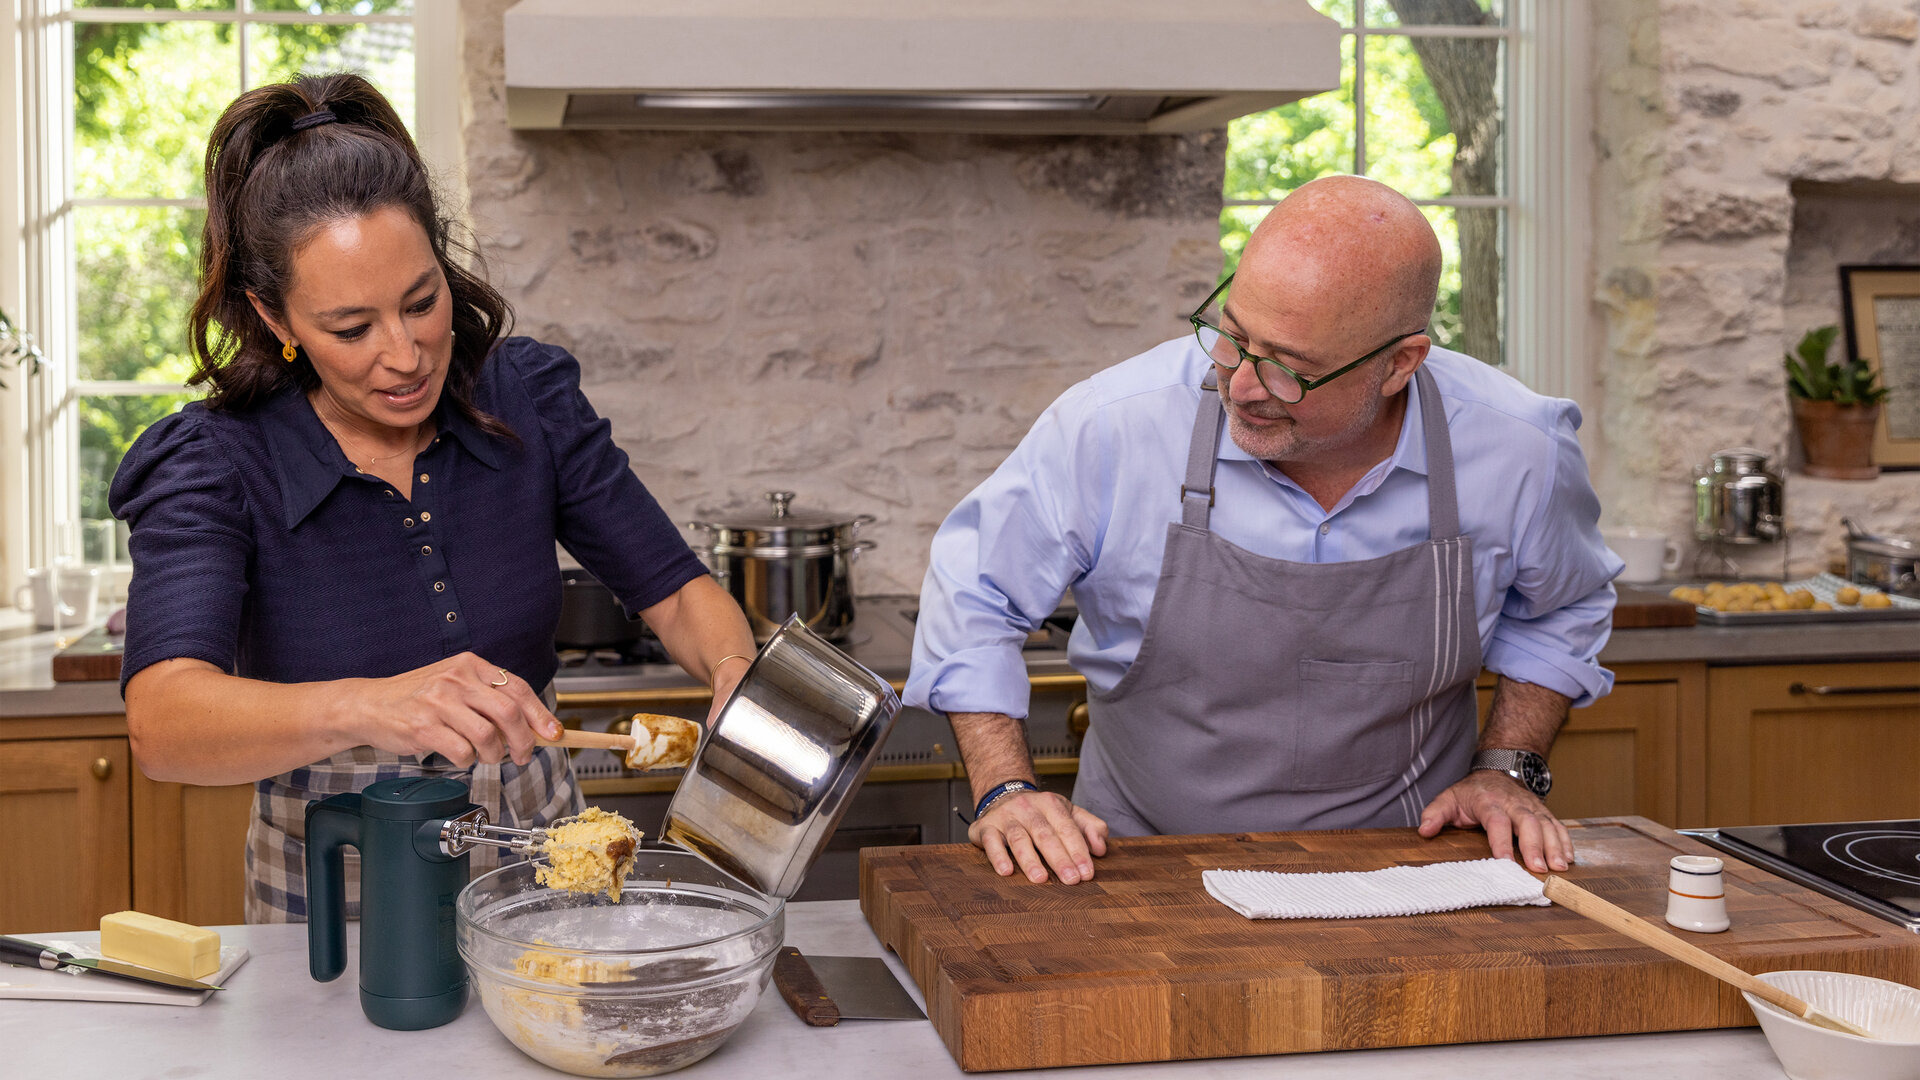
x,y
1606,913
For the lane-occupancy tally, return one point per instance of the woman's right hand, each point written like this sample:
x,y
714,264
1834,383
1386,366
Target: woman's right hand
x,y
463,708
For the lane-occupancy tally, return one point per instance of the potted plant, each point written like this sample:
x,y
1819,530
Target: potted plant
x,y
1835,408
17,347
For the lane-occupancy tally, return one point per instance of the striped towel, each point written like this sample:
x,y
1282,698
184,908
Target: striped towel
x,y
1397,890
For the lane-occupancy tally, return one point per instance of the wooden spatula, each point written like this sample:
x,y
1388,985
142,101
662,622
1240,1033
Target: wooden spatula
x,y
589,740
1576,899
646,751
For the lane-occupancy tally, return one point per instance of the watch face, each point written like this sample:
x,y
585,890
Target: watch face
x,y
1534,774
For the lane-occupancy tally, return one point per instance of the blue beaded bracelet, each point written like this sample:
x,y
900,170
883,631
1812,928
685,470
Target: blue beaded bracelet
x,y
1002,789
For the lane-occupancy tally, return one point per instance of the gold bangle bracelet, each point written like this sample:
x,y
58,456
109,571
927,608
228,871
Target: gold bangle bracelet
x,y
715,669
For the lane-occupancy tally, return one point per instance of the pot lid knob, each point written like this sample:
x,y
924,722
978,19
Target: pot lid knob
x,y
780,500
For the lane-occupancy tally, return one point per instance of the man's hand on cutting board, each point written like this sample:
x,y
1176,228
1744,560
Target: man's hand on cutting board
x,y
1040,830
1508,812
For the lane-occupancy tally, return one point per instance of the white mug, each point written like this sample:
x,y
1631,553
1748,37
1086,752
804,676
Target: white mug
x,y
1648,555
78,588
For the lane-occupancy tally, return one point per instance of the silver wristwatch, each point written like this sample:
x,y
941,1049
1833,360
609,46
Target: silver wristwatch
x,y
1523,765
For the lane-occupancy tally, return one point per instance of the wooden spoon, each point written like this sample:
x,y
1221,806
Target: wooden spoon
x,y
1576,899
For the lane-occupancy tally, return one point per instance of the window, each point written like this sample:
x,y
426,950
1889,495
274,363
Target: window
x,y
119,97
1470,108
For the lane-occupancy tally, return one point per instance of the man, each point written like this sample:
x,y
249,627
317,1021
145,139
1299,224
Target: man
x,y
1281,629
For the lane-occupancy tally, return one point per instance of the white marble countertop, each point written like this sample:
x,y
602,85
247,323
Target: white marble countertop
x,y
276,1021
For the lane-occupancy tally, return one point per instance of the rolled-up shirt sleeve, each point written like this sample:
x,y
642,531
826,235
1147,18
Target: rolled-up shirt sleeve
x,y
1001,562
1558,612
190,540
606,517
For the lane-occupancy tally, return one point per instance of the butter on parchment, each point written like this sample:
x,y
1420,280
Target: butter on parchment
x,y
177,948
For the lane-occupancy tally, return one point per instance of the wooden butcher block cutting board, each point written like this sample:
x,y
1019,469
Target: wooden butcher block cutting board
x,y
1140,964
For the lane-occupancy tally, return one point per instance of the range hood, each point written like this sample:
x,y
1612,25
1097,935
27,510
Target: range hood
x,y
1009,66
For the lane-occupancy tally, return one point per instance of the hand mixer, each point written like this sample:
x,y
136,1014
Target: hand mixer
x,y
413,835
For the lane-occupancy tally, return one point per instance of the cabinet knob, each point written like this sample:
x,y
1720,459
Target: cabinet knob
x,y
102,768
1077,719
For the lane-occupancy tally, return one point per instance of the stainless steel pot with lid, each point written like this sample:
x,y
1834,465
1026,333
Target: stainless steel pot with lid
x,y
1737,499
1890,563
786,562
783,759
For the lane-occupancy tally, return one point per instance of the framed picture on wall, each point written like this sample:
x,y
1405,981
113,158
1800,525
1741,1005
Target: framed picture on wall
x,y
1881,309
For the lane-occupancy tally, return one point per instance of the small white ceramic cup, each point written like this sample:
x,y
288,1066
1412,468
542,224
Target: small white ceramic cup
x,y
1648,555
1696,894
59,596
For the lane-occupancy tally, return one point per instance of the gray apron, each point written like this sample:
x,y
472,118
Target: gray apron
x,y
1276,695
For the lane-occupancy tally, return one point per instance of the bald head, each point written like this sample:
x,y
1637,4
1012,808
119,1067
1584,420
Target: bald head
x,y
1352,249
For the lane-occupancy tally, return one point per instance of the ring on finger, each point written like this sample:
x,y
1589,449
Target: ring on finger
x,y
503,678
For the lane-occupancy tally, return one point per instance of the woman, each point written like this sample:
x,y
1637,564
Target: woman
x,y
344,564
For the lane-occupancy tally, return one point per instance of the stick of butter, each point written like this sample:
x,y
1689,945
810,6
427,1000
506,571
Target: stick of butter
x,y
177,948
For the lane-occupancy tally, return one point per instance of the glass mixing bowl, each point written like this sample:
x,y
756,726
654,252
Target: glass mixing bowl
x,y
648,985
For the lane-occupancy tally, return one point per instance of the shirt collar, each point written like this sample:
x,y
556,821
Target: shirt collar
x,y
309,463
1410,454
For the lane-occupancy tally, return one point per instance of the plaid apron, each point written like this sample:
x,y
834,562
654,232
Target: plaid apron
x,y
523,797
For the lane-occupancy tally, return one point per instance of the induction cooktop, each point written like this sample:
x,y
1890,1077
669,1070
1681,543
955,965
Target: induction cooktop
x,y
1873,865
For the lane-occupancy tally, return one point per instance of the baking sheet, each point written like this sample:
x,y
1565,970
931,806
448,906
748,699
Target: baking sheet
x,y
1823,586
20,981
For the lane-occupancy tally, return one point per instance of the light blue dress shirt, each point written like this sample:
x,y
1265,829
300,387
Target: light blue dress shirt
x,y
1084,501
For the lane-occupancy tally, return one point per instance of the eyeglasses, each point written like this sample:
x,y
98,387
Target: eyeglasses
x,y
1284,383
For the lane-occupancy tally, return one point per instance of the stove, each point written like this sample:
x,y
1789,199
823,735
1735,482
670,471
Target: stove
x,y
1873,865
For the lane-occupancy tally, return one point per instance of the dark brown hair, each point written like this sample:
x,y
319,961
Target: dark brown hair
x,y
271,185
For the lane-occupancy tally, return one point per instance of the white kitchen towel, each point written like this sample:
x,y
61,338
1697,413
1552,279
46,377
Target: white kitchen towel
x,y
1397,890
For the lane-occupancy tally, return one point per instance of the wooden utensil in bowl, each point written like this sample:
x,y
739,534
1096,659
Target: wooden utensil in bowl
x,y
1608,914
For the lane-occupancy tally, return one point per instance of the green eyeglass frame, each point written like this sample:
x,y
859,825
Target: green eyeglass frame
x,y
1284,383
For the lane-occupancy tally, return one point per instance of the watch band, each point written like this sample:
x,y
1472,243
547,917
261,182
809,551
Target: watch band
x,y
1529,768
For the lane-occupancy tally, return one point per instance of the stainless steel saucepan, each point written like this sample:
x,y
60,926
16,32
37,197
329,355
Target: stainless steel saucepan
x,y
780,765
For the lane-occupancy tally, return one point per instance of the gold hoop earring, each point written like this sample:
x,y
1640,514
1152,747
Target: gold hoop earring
x,y
287,351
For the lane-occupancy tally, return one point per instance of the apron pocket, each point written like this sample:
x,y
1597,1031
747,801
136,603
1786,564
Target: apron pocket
x,y
1351,724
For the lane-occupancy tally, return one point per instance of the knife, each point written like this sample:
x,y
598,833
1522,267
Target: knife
x,y
29,953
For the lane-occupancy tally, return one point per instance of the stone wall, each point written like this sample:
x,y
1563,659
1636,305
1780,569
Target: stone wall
x,y
1707,267
872,321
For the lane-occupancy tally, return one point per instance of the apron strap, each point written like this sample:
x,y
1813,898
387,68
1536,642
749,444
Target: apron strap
x,y
1443,503
1203,454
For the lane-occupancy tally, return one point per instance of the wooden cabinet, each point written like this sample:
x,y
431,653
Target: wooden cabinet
x,y
1625,753
1814,742
86,834
63,814
189,851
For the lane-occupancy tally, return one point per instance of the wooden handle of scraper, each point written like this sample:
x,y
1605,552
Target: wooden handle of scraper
x,y
588,740
1576,899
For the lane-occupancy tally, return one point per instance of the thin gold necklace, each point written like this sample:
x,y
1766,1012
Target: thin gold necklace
x,y
425,433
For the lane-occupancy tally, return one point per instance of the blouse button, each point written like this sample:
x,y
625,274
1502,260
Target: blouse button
x,y
426,549
408,522
439,586
390,493
426,515
1326,527
451,617
423,478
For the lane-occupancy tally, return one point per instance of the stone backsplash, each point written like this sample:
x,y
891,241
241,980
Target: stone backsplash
x,y
1745,149
872,321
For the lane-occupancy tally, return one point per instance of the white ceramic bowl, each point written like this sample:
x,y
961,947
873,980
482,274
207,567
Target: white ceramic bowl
x,y
1809,1052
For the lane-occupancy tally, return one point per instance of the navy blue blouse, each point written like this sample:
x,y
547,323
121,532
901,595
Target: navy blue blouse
x,y
257,548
